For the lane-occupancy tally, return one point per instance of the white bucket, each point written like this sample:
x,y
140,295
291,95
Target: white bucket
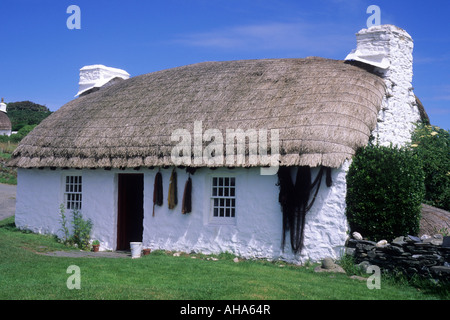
x,y
136,249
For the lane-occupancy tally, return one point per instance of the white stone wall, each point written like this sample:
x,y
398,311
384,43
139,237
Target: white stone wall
x,y
40,193
5,132
257,232
390,49
37,200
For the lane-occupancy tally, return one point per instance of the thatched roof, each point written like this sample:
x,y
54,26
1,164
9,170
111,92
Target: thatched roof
x,y
5,123
324,110
423,113
433,220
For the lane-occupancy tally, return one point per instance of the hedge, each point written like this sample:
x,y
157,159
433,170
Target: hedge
x,y
385,189
432,145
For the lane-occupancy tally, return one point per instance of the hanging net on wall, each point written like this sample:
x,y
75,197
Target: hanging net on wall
x,y
294,198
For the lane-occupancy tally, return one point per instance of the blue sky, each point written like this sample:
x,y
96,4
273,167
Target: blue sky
x,y
40,57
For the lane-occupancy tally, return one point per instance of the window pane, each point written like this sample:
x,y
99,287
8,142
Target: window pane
x,y
223,193
72,193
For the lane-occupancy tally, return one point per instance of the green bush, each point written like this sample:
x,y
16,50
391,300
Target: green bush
x,y
17,137
432,145
385,189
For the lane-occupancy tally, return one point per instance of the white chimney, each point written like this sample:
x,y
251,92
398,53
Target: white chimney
x,y
95,76
389,49
3,106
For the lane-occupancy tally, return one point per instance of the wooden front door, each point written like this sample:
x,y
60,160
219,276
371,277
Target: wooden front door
x,y
130,209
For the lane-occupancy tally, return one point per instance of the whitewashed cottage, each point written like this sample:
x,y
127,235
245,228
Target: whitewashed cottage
x,y
154,158
5,123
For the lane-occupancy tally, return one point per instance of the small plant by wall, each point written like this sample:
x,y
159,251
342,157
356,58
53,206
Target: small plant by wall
x,y
385,189
81,228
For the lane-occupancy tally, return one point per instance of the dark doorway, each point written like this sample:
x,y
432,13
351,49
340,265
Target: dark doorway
x,y
130,210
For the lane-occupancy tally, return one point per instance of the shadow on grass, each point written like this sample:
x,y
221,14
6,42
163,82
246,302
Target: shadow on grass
x,y
8,224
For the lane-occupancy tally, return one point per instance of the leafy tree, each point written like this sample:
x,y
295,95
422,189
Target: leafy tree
x,y
25,113
432,145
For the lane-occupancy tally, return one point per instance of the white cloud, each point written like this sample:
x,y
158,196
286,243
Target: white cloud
x,y
431,59
312,38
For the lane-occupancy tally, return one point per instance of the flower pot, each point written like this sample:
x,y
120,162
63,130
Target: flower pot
x,y
95,247
146,251
136,248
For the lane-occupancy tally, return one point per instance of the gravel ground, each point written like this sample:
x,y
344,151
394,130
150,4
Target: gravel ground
x,y
7,200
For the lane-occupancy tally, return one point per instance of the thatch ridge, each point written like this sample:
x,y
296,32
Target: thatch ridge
x,y
324,110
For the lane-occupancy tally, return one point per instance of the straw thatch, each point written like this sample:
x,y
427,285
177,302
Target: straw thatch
x,y
423,113
324,110
5,123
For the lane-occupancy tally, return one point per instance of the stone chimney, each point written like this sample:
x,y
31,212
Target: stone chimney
x,y
389,50
3,106
95,76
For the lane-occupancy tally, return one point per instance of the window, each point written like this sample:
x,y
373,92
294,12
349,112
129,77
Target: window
x,y
223,198
72,192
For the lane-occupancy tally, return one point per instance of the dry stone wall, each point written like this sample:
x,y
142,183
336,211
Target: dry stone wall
x,y
410,255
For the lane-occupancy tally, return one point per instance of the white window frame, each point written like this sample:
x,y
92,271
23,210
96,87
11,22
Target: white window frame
x,y
72,186
223,199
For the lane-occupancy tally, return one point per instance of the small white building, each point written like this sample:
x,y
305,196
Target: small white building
x,y
246,156
5,123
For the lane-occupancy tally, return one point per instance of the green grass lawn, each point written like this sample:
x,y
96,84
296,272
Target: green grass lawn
x,y
27,274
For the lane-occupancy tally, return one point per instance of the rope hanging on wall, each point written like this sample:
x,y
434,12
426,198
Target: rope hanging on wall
x,y
187,197
294,200
329,181
172,198
157,191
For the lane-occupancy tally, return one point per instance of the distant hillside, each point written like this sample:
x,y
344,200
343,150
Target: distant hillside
x,y
24,113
